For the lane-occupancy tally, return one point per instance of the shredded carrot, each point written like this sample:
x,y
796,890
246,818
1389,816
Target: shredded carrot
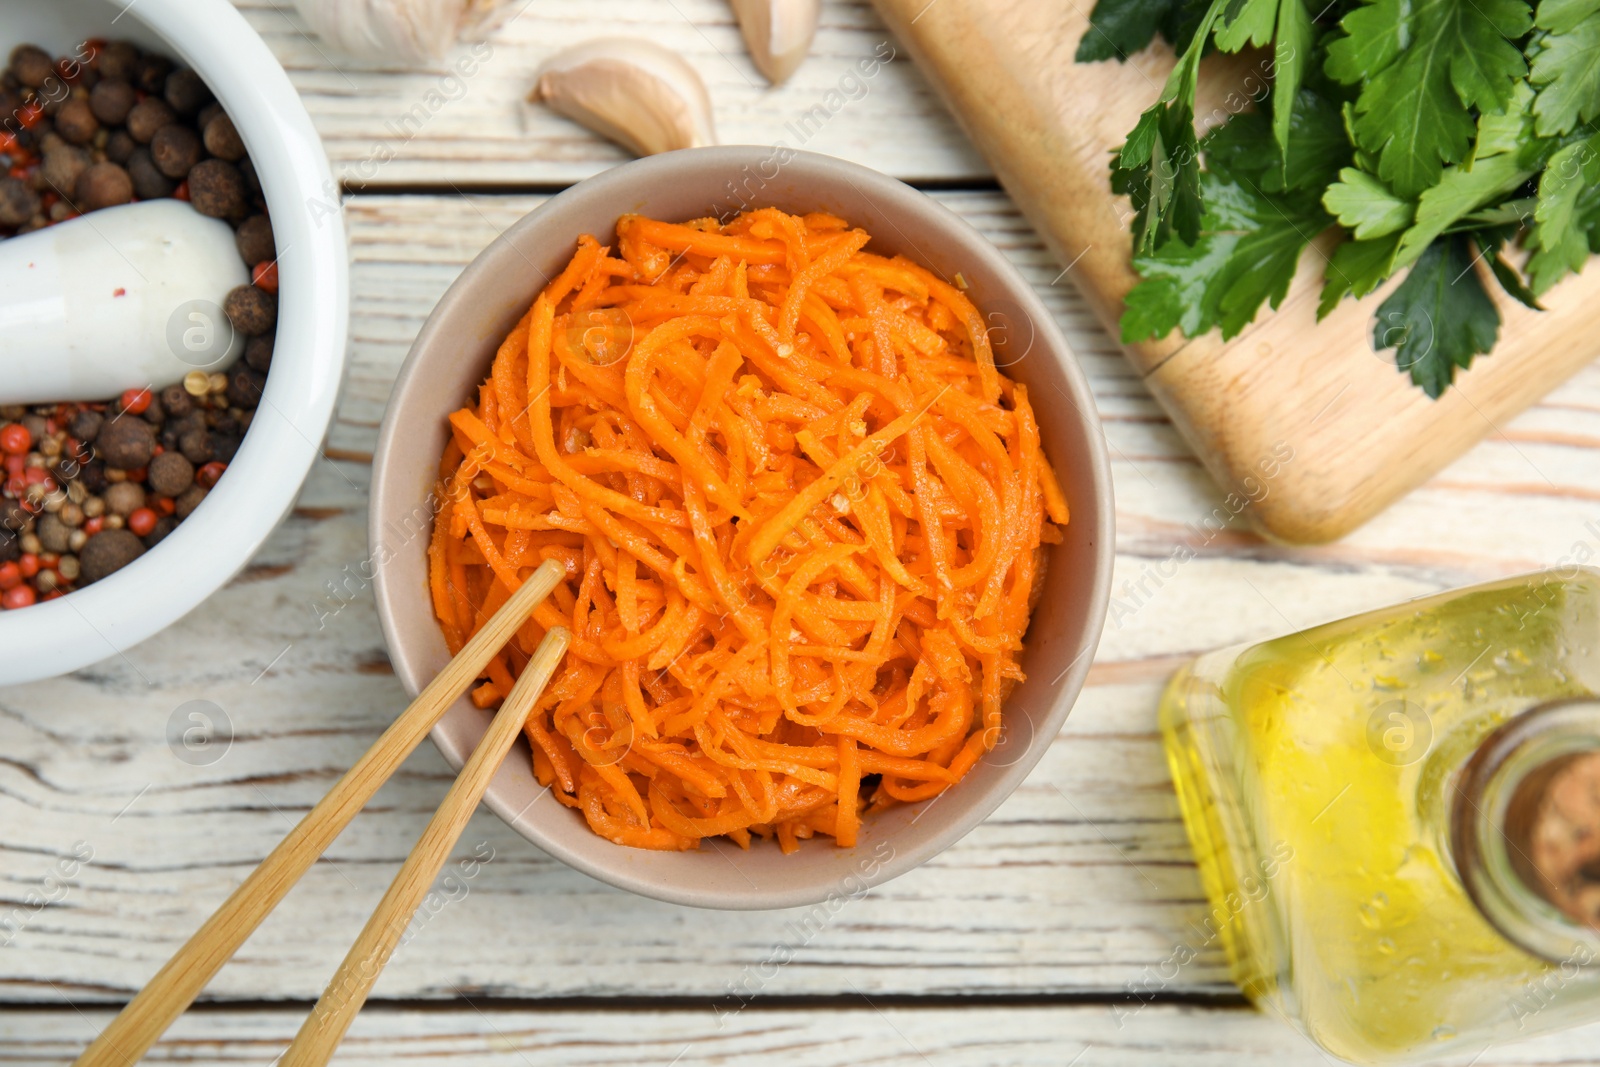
x,y
802,516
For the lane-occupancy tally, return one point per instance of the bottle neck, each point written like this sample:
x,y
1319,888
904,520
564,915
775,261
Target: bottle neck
x,y
1506,846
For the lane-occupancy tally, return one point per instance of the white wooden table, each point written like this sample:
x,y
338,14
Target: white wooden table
x,y
1042,938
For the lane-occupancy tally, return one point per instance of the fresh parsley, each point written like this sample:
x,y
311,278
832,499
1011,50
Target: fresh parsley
x,y
1432,135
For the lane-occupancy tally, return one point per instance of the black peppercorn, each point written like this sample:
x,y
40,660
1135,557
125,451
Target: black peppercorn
x,y
125,443
170,473
18,203
255,240
120,147
63,165
32,65
111,100
225,446
93,476
188,500
177,402
244,387
176,149
148,116
196,446
85,425
119,60
216,188
258,352
186,91
252,310
153,74
76,122
148,181
108,552
222,139
164,526
103,185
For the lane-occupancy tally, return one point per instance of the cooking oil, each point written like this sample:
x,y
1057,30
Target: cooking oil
x,y
1323,778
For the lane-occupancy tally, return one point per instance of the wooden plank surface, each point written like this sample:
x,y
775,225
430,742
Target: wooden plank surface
x,y
1080,884
385,125
700,1036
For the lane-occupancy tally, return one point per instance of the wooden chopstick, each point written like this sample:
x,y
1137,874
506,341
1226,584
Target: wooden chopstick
x,y
174,987
325,1027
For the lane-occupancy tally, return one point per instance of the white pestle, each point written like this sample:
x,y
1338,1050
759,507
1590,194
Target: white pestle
x,y
124,298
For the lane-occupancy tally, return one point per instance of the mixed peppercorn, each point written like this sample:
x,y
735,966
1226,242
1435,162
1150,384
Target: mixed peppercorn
x,y
89,487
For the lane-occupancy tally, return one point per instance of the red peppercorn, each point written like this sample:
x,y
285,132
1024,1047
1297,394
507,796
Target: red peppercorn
x,y
94,525
15,439
36,475
142,521
22,596
8,142
165,504
49,560
137,474
31,114
209,474
28,563
265,276
10,575
54,594
182,191
16,485
16,464
136,401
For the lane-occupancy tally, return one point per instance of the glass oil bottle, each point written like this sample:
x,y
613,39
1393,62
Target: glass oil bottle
x,y
1363,798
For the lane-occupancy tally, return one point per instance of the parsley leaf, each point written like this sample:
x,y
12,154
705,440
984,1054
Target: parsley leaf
x,y
1318,147
1158,167
1159,171
1434,133
1564,64
1440,317
1357,268
1421,66
1119,28
1565,213
1460,190
1258,22
1365,206
1490,240
1244,257
1293,43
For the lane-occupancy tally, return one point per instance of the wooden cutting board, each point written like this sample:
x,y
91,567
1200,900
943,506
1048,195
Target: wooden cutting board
x,y
1304,418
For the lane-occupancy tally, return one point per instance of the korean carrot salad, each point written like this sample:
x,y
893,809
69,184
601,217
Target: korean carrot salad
x,y
802,515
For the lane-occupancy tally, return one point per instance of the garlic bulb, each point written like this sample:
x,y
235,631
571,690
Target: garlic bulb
x,y
413,31
778,33
635,92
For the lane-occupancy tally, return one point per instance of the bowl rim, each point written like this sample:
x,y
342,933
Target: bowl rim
x,y
110,616
618,185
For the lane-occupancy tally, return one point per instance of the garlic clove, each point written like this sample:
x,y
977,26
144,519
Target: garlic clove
x,y
639,94
413,31
778,33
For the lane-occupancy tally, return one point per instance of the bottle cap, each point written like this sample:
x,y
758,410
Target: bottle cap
x,y
1525,829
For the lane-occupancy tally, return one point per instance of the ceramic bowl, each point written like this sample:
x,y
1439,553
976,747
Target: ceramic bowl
x,y
452,355
155,590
